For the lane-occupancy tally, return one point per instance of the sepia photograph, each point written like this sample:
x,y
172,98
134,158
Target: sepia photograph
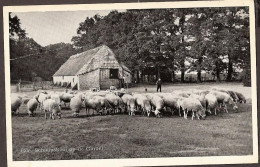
x,y
131,84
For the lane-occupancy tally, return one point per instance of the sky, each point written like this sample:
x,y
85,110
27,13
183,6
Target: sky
x,y
54,27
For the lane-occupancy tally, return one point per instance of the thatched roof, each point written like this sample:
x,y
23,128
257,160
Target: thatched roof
x,y
81,63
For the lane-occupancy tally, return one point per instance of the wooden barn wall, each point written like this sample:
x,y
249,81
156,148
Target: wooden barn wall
x,y
89,80
105,81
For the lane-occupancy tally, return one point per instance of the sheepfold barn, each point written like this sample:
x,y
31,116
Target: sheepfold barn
x,y
95,68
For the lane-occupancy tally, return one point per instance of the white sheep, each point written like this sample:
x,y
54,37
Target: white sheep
x,y
156,102
194,105
56,97
223,99
241,97
32,106
50,105
231,93
41,96
116,102
212,103
169,101
75,105
104,103
16,102
130,103
92,103
143,103
201,98
66,97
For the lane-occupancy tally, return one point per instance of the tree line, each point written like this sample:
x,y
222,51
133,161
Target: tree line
x,y
215,40
209,39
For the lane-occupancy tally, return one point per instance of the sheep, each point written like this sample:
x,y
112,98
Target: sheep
x,y
143,102
233,95
32,106
92,103
50,105
16,102
25,100
41,96
105,105
201,98
56,97
241,97
212,102
194,105
169,101
116,102
130,103
229,92
66,97
156,102
75,105
179,105
223,99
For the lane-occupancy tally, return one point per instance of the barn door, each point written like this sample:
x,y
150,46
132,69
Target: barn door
x,y
106,81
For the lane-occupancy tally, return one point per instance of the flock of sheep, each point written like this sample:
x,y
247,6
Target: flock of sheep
x,y
197,102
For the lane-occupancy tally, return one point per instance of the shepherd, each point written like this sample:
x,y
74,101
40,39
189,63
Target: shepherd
x,y
159,85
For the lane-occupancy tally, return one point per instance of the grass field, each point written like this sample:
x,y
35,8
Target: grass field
x,y
123,136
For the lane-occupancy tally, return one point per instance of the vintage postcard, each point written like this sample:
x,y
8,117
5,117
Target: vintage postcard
x,y
131,84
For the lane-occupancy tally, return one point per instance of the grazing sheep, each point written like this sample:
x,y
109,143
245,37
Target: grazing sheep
x,y
25,100
50,105
32,106
193,105
130,103
179,104
41,96
169,101
75,105
223,99
144,103
201,98
212,103
229,92
66,97
16,102
92,103
116,102
241,97
56,97
156,102
233,95
105,105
